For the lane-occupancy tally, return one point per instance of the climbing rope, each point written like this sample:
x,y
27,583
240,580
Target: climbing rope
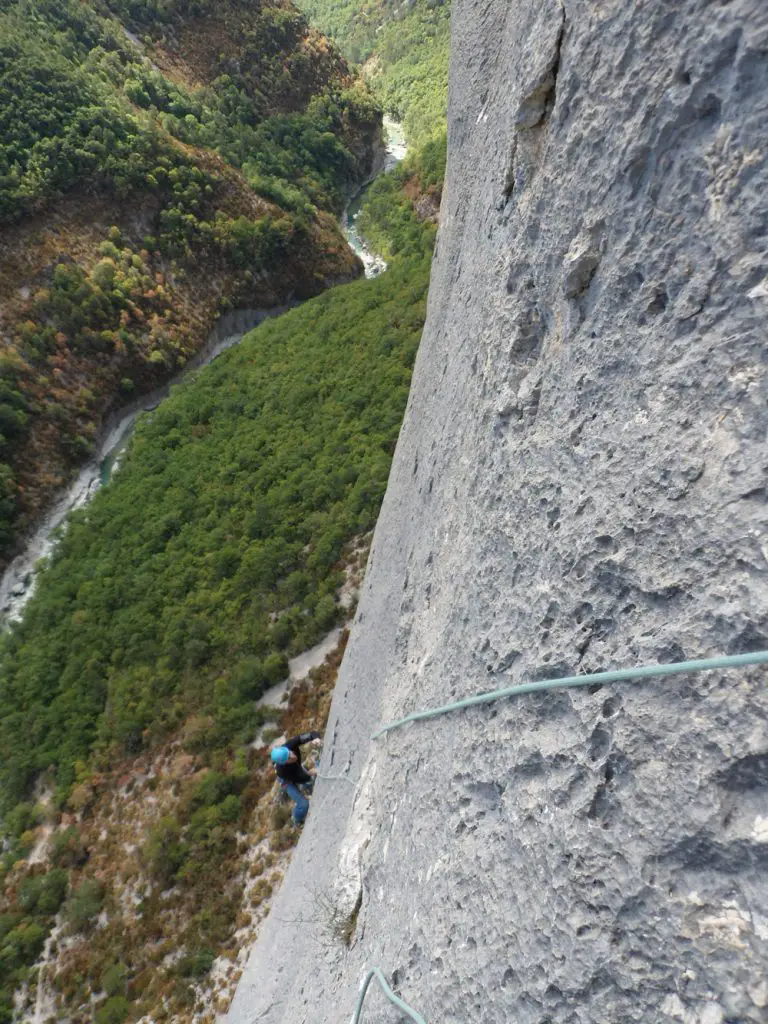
x,y
677,668
376,973
624,674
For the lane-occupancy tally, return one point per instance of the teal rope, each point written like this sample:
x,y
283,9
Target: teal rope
x,y
678,668
376,973
624,674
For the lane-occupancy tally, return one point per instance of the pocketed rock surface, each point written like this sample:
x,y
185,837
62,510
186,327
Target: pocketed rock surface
x,y
580,484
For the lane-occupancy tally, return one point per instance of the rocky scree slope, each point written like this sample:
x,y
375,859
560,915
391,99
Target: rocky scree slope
x,y
579,484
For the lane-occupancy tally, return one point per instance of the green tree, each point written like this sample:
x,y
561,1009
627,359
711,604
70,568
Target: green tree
x,y
85,904
114,1011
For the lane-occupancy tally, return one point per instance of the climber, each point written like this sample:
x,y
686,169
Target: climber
x,y
292,775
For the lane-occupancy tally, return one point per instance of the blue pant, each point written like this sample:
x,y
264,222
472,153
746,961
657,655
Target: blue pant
x,y
302,804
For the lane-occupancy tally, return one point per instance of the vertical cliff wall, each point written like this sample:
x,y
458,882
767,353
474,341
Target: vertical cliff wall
x,y
579,484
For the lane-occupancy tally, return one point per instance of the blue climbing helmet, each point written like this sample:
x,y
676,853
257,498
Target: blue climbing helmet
x,y
280,755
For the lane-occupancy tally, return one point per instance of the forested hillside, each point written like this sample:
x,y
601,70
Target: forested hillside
x,y
171,602
159,162
404,52
166,161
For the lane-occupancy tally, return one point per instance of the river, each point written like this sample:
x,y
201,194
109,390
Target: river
x,y
395,152
18,581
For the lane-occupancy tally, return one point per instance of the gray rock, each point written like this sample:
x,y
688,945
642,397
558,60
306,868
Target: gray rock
x,y
579,266
580,483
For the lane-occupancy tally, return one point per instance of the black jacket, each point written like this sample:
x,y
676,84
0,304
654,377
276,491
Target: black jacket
x,y
293,771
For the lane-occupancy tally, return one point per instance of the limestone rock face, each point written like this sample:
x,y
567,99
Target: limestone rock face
x,y
580,484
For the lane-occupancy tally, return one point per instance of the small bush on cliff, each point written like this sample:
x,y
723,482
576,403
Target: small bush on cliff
x,y
66,848
114,1011
196,964
115,979
85,904
163,851
43,894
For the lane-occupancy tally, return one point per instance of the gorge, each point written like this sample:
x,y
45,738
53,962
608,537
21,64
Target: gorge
x,y
573,480
17,583
579,484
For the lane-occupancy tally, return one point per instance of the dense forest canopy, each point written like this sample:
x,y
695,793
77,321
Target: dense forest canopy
x,y
250,479
80,103
175,598
404,48
230,131
188,150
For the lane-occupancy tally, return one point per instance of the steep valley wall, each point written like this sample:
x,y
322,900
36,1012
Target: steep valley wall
x,y
579,484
